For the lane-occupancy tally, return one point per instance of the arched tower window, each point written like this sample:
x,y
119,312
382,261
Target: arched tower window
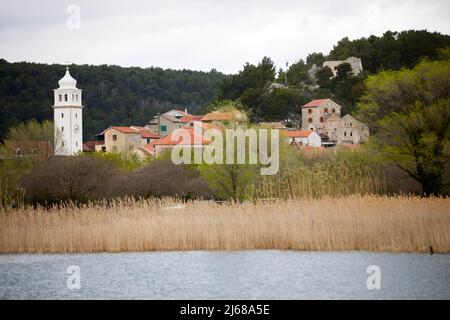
x,y
309,111
60,97
310,120
65,97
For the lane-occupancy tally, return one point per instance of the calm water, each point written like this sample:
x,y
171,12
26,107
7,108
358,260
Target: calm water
x,y
226,275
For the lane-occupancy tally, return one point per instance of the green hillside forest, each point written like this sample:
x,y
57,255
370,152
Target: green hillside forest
x,y
114,95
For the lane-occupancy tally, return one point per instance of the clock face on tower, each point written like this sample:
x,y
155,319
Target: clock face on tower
x,y
76,128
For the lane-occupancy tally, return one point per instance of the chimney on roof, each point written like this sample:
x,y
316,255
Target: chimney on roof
x,y
159,125
185,110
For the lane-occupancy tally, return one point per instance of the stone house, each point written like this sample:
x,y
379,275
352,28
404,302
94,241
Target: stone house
x,y
167,143
324,117
164,124
350,131
316,112
125,139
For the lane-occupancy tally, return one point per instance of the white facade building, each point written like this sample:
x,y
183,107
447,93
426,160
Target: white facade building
x,y
68,117
303,137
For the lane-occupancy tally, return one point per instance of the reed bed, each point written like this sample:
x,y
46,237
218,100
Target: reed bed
x,y
371,223
340,178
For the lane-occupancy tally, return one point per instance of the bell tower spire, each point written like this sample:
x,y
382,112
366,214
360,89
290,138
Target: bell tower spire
x,y
68,117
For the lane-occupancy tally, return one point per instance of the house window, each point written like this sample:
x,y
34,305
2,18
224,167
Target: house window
x,y
333,110
148,140
65,97
321,119
351,134
326,110
76,115
62,115
350,124
114,137
345,133
62,144
103,149
163,128
309,120
309,111
62,128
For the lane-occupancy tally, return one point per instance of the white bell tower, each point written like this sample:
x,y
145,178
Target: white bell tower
x,y
68,117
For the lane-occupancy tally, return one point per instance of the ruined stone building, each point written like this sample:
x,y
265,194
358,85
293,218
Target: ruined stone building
x,y
356,64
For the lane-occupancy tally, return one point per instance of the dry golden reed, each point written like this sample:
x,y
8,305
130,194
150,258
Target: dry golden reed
x,y
372,223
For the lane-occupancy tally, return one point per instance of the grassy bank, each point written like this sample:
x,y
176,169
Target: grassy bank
x,y
390,224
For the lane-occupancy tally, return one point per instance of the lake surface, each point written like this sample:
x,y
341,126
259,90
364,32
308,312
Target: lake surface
x,y
226,275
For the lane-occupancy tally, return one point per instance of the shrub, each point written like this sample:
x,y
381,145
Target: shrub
x,y
160,178
78,179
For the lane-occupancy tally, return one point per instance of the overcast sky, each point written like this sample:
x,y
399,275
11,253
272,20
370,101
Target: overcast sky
x,y
200,34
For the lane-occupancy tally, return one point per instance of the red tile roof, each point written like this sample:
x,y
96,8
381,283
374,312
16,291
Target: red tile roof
x,y
206,125
123,129
136,130
316,103
90,145
148,148
171,140
297,133
28,146
189,117
148,135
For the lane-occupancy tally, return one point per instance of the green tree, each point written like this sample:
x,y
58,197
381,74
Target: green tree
x,y
33,140
409,116
248,84
324,77
112,95
393,50
297,73
343,71
315,58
